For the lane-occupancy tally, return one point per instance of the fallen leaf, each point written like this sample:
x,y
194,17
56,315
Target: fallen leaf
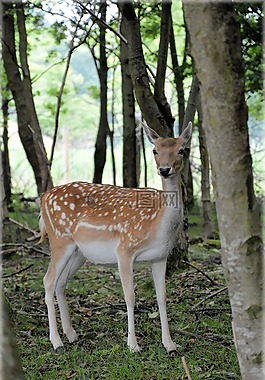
x,y
153,315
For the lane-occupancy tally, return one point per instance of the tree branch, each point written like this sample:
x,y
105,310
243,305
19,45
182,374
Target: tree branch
x,y
60,93
101,22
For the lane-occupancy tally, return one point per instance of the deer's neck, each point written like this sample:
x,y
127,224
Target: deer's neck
x,y
171,212
172,183
174,205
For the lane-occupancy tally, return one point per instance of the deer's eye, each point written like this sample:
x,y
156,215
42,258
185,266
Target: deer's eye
x,y
181,152
155,152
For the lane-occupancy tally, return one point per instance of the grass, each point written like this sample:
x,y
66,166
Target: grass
x,y
203,333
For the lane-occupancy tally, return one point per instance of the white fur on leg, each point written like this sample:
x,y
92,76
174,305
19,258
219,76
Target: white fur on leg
x,y
158,271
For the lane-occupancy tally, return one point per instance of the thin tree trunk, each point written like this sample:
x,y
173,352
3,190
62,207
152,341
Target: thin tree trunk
x,y
144,157
5,154
208,228
129,123
140,79
60,94
159,88
180,252
216,49
189,116
103,130
28,125
111,132
178,78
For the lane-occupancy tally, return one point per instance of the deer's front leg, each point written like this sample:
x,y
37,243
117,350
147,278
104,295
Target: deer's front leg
x,y
159,271
125,265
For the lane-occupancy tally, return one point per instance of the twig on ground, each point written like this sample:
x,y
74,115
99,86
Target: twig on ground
x,y
199,270
39,250
19,271
186,367
210,296
187,333
20,246
24,227
32,238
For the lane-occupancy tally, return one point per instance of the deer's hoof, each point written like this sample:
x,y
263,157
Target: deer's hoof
x,y
59,350
172,354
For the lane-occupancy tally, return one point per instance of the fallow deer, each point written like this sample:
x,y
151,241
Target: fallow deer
x,y
107,224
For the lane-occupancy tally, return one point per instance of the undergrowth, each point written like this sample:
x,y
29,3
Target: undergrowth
x,y
202,333
198,310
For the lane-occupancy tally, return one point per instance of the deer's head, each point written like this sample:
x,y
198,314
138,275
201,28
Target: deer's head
x,y
169,151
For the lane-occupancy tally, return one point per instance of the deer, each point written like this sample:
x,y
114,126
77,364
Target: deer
x,y
112,225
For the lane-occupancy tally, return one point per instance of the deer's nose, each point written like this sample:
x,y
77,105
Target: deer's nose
x,y
164,172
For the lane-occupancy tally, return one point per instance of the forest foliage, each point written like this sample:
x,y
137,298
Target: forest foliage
x,y
50,28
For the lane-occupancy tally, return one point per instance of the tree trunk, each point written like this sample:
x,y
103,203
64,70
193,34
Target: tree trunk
x,y
178,78
129,123
5,154
39,159
28,125
140,79
189,116
103,130
10,367
216,49
208,228
111,132
159,89
150,110
180,252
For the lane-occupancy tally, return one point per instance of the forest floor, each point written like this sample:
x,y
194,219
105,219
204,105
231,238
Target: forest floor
x,y
198,310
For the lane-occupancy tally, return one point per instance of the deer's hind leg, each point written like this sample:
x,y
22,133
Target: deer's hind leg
x,y
61,254
75,262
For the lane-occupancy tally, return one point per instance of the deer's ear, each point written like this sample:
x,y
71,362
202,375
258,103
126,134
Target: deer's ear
x,y
150,133
186,134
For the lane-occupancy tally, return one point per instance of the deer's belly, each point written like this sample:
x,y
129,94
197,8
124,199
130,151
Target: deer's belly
x,y
154,253
100,252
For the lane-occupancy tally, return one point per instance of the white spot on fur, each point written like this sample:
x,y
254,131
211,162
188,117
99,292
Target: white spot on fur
x,y
154,215
93,226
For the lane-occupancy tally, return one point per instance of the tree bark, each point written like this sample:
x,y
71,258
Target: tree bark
x,y
216,49
208,228
10,366
103,130
20,86
129,123
140,79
